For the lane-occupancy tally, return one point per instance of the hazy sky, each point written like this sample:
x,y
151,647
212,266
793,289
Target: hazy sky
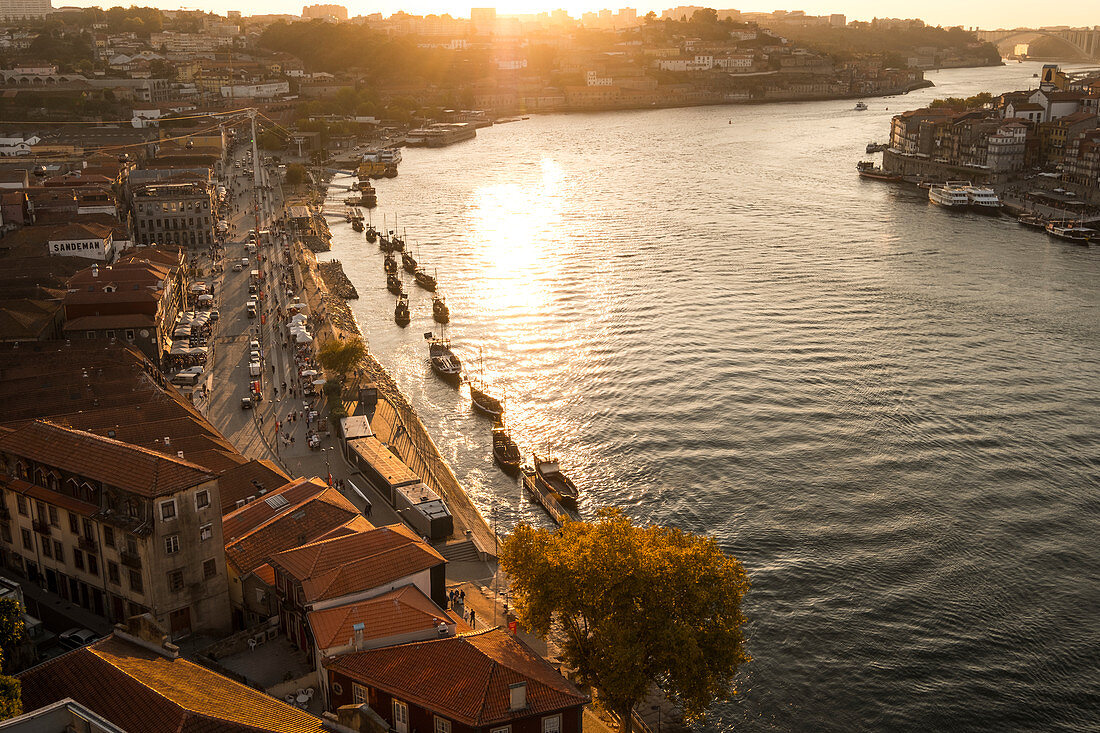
x,y
979,13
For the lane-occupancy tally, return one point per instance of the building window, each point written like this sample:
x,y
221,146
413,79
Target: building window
x,y
54,521
46,549
5,532
21,503
78,559
135,582
109,536
93,564
551,724
168,510
28,541
206,531
110,334
175,580
58,551
209,569
442,725
112,573
337,688
359,693
73,526
202,499
129,334
171,544
88,531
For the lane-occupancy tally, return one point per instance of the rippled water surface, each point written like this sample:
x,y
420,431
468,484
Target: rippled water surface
x,y
888,412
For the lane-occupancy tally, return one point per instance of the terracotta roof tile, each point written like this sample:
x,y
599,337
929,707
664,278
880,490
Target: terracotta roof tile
x,y
140,690
296,524
464,678
123,320
342,565
113,462
402,611
246,480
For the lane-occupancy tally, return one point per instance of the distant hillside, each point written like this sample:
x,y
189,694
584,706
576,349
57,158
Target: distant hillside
x,y
898,44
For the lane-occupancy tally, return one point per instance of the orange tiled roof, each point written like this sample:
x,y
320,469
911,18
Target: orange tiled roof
x,y
400,611
246,480
140,690
296,524
239,522
114,463
464,678
343,565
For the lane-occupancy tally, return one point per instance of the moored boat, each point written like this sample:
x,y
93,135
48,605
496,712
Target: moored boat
x,y
393,283
401,310
1032,220
389,264
867,169
368,196
357,224
423,279
483,400
950,195
372,234
983,200
1071,232
408,262
440,312
444,362
549,477
505,451
861,106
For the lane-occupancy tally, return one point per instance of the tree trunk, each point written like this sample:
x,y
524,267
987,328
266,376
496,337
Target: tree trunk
x,y
626,719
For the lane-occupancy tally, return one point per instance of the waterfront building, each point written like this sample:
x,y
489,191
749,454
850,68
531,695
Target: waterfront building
x,y
339,12
1007,147
483,682
174,213
115,528
1082,161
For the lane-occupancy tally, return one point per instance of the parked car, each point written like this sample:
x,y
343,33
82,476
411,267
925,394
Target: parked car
x,y
253,345
246,403
215,314
76,637
188,377
238,267
244,261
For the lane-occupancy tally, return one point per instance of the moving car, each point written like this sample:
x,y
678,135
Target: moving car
x,y
246,403
238,267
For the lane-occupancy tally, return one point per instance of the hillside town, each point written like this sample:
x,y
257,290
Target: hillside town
x,y
1049,135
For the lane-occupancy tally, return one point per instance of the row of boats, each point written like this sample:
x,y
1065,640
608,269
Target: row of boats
x,y
1065,230
543,477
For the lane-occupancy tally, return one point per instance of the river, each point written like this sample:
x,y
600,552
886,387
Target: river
x,y
887,411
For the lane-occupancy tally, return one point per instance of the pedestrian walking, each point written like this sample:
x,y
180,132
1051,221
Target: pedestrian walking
x,y
473,621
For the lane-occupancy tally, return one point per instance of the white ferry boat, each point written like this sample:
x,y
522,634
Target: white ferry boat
x,y
1071,233
951,195
983,200
861,106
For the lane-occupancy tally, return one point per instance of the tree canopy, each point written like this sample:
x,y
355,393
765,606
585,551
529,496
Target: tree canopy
x,y
342,357
639,606
11,633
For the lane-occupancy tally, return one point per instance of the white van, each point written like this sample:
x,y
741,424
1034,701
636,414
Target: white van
x,y
254,369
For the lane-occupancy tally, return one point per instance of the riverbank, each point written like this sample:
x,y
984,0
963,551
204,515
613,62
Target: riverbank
x,y
395,421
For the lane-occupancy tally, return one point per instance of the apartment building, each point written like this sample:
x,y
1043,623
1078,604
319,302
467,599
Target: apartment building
x,y
118,529
174,213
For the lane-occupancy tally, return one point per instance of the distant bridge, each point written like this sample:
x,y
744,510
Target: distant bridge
x,y
1083,41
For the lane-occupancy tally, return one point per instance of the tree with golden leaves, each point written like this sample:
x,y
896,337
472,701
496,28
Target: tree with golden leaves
x,y
639,606
342,356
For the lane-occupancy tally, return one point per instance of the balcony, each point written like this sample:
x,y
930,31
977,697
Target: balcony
x,y
86,543
130,559
41,527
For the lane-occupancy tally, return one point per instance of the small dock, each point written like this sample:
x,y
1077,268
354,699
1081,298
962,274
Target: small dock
x,y
552,506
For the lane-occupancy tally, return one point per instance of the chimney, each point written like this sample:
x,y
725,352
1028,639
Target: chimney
x,y
179,453
168,441
95,270
518,695
358,629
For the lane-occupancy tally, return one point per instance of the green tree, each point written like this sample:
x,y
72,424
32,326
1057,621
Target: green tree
x,y
341,357
11,633
639,606
295,174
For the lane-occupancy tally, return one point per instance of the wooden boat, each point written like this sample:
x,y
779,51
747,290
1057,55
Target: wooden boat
x,y
372,234
550,478
368,196
867,169
398,243
1071,233
357,224
505,451
423,279
1032,220
483,401
390,263
445,363
535,488
393,283
440,312
401,310
408,262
